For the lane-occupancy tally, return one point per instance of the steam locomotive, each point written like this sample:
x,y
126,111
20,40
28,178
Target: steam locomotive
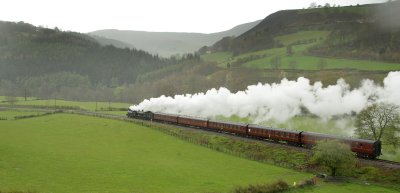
x,y
363,148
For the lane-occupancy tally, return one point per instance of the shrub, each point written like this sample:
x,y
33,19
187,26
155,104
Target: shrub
x,y
279,186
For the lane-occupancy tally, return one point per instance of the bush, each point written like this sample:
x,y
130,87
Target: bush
x,y
37,115
279,186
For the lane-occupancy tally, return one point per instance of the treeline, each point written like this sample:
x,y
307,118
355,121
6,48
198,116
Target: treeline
x,y
362,41
189,75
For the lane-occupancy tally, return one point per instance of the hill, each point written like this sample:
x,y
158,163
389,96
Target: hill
x,y
170,43
106,41
41,62
361,32
29,51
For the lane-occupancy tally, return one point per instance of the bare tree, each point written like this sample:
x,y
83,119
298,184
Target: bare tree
x,y
375,120
313,5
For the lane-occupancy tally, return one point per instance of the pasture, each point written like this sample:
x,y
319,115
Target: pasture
x,y
299,60
59,103
72,153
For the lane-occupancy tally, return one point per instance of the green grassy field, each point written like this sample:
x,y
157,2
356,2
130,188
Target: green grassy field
x,y
72,153
300,58
305,62
59,102
311,63
302,35
218,57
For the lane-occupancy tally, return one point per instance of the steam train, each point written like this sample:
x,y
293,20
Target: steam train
x,y
363,148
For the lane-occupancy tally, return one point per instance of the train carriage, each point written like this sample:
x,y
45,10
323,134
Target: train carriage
x,y
238,128
363,147
163,117
191,121
292,137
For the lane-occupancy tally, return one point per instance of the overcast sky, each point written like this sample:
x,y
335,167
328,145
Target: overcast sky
x,y
205,16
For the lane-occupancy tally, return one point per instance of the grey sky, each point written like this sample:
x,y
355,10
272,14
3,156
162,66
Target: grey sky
x,y
205,16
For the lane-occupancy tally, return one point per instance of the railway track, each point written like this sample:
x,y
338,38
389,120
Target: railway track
x,y
377,162
386,164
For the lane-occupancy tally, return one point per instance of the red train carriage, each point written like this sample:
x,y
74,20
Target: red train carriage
x,y
165,117
238,128
191,121
363,147
292,137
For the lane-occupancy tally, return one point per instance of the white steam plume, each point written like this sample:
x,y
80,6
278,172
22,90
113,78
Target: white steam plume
x,y
281,101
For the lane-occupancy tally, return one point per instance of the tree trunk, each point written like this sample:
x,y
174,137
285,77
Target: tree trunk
x,y
333,171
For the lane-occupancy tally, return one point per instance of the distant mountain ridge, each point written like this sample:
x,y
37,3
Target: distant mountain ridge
x,y
106,41
170,43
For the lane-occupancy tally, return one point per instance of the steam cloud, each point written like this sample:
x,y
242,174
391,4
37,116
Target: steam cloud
x,y
280,101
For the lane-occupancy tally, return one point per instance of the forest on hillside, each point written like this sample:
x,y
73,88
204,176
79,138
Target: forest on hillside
x,y
42,62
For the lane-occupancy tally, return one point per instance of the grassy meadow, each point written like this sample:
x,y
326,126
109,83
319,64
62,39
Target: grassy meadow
x,y
59,102
299,60
72,153
50,103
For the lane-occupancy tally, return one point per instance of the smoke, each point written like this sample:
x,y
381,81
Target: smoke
x,y
280,101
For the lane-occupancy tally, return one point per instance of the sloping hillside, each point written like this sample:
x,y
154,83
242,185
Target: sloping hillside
x,y
28,51
366,31
170,43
